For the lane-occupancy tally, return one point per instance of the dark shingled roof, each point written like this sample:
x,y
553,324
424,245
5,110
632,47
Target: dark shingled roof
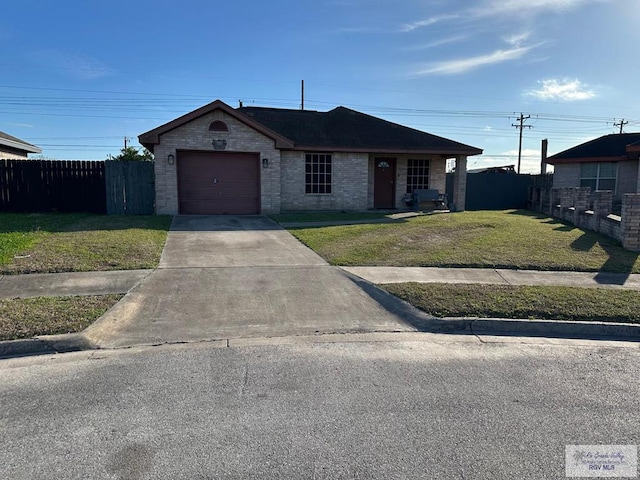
x,y
610,147
346,129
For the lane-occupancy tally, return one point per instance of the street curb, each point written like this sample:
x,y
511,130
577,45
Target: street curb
x,y
45,344
555,328
496,326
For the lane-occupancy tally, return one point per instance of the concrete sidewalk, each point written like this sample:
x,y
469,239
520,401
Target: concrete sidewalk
x,y
495,276
74,283
122,281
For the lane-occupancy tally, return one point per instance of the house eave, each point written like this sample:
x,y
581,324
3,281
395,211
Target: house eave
x,y
614,158
27,147
387,151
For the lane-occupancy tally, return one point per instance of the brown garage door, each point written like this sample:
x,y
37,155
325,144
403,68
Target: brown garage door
x,y
218,183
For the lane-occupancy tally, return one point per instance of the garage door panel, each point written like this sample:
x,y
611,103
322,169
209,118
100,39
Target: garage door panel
x,y
218,183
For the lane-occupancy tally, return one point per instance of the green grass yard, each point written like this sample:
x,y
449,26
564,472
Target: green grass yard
x,y
29,317
514,239
47,243
523,302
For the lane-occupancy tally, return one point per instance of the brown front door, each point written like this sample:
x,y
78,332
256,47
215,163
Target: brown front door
x,y
384,183
214,183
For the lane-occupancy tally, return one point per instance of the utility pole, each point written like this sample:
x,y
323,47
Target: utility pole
x,y
302,95
125,143
621,124
521,126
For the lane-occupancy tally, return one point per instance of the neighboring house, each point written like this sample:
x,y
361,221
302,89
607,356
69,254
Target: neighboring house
x,y
606,163
14,148
219,160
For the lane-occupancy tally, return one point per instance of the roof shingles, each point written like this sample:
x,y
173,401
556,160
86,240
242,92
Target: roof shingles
x,y
343,128
607,147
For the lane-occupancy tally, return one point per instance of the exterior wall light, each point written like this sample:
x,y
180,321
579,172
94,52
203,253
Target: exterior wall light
x,y
265,163
171,159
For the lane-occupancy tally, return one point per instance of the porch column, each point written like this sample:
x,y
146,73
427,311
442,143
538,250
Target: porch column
x,y
460,183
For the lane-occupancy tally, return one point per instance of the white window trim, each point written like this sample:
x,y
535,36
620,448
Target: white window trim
x,y
598,177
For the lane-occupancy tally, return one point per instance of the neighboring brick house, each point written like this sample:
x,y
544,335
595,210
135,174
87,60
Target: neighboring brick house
x,y
606,163
12,148
218,160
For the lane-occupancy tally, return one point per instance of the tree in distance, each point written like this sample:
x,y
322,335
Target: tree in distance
x,y
132,153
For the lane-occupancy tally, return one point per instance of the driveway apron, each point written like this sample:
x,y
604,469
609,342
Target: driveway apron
x,y
238,276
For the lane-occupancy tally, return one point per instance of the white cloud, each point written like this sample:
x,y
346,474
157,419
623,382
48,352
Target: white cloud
x,y
463,65
530,162
438,43
527,7
409,27
517,38
565,89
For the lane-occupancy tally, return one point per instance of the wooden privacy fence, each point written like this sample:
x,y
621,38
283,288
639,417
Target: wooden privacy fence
x,y
76,186
130,187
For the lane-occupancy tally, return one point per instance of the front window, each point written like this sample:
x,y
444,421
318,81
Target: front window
x,y
417,175
317,173
599,176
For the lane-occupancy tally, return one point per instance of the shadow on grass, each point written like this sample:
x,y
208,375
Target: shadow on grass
x,y
78,222
619,261
562,226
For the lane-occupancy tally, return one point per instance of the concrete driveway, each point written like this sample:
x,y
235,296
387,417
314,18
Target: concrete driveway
x,y
238,276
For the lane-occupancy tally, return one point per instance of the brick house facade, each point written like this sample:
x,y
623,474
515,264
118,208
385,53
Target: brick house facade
x,y
218,159
607,163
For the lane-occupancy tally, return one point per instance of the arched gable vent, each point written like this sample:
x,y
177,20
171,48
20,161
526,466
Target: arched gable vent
x,y
218,126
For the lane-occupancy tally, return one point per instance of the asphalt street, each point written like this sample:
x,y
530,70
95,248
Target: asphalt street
x,y
381,406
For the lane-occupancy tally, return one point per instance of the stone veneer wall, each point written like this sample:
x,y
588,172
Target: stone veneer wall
x,y
195,135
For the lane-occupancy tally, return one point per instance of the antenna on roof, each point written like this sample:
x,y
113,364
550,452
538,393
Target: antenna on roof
x,y
302,95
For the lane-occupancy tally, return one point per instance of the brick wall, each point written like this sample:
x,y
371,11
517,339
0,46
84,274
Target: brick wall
x,y
566,175
570,203
349,179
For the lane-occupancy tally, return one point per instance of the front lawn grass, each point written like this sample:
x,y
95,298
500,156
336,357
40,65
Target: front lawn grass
x,y
326,217
507,301
48,243
29,317
515,239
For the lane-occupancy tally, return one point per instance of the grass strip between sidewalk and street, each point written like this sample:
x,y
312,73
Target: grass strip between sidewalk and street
x,y
513,239
30,317
50,243
521,302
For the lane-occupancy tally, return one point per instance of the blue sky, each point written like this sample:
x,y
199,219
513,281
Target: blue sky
x,y
77,80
